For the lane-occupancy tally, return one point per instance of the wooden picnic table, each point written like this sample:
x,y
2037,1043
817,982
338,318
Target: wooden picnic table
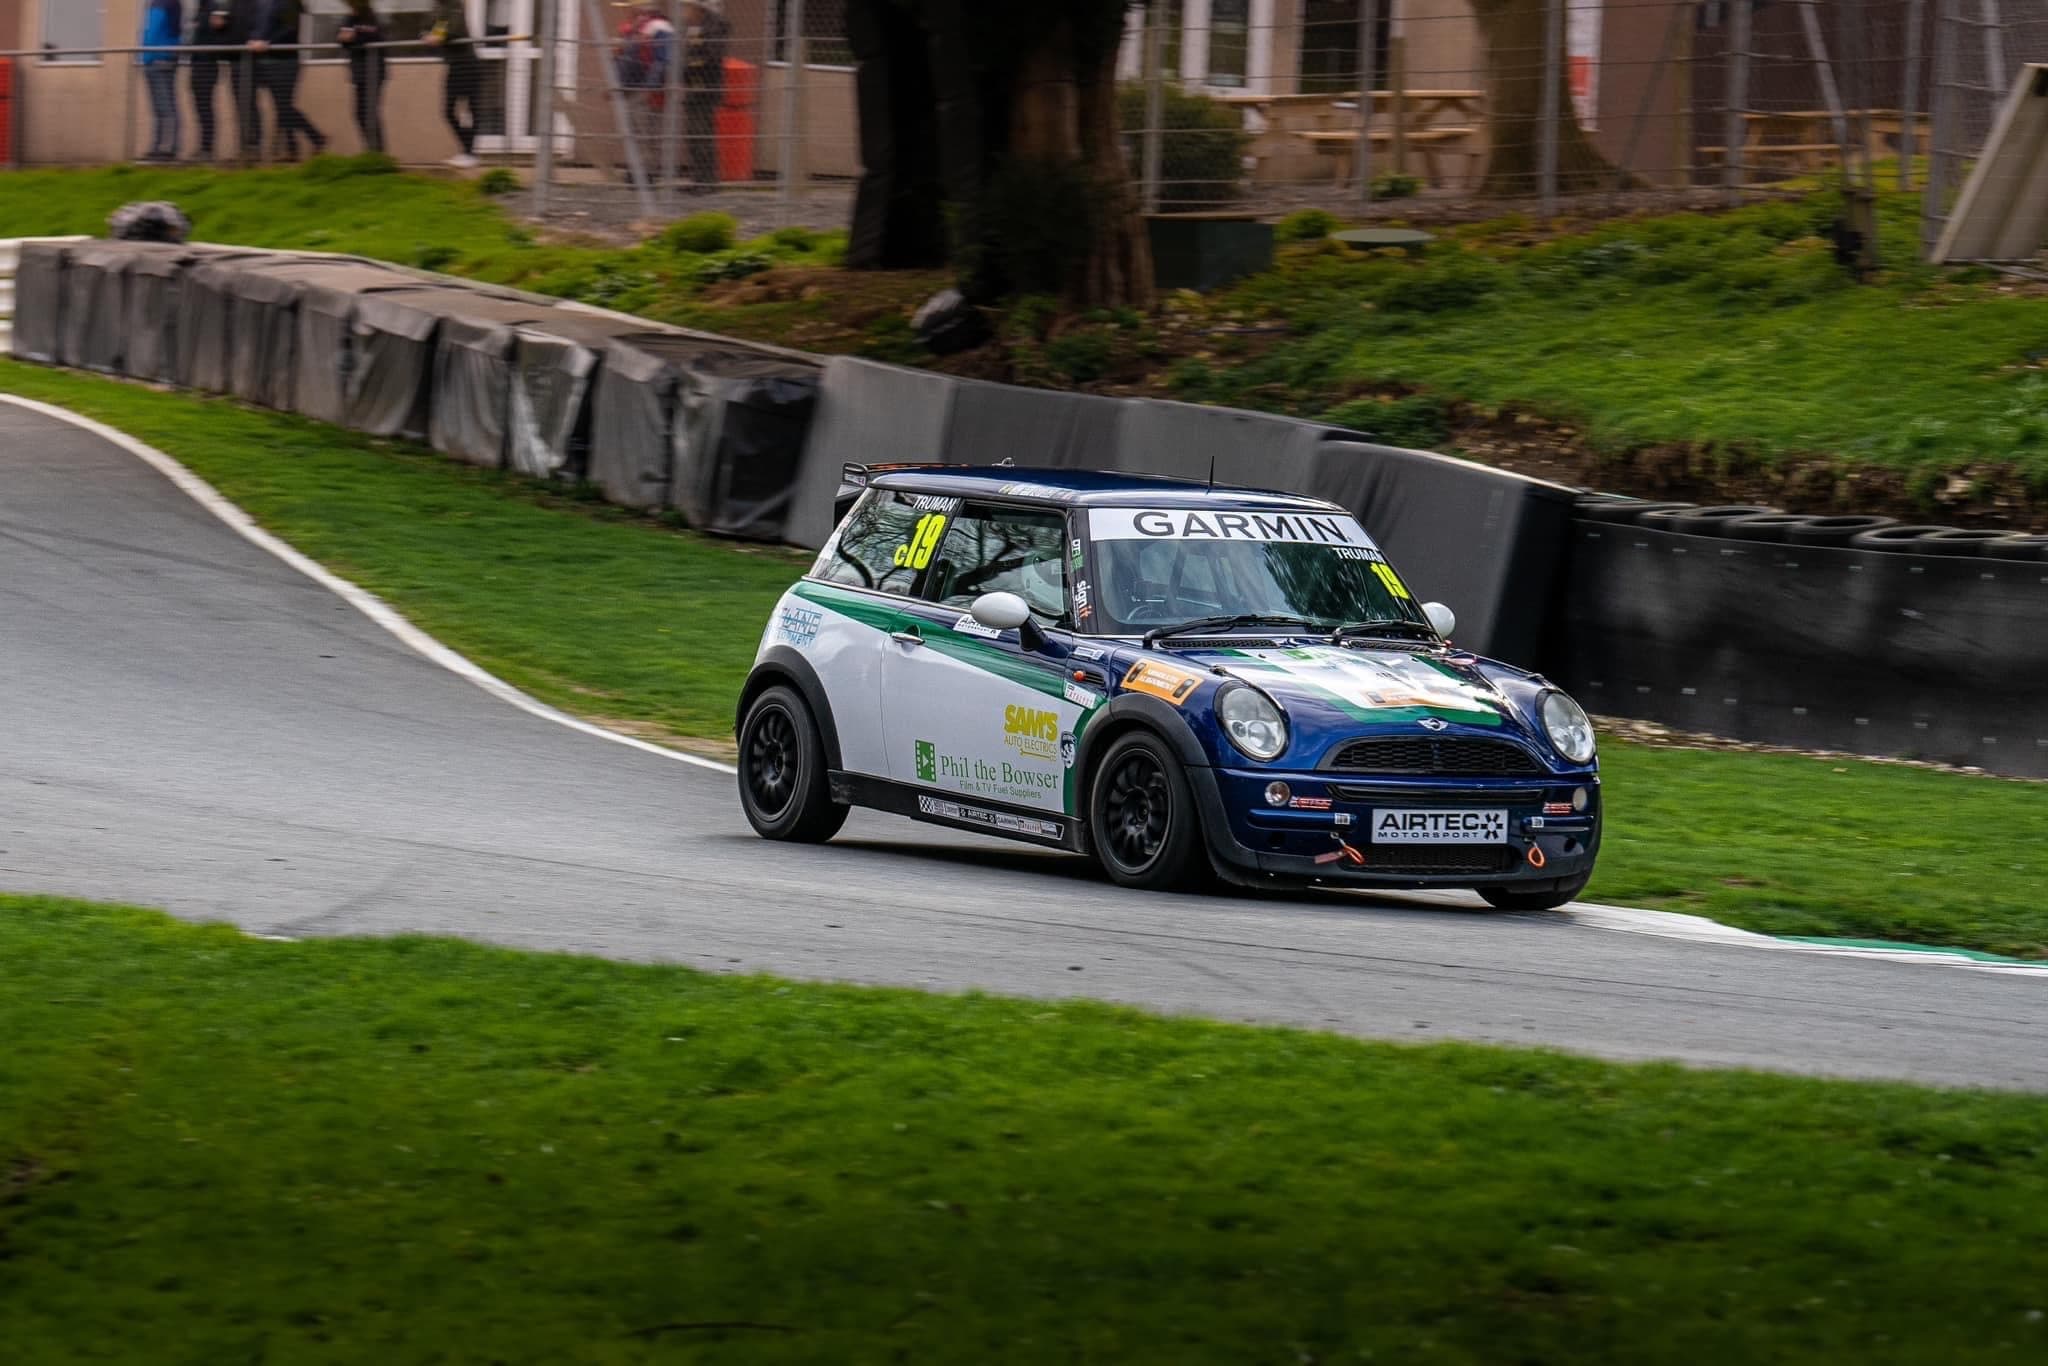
x,y
1804,139
1302,133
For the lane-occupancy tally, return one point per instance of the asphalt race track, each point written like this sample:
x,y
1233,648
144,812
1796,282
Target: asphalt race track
x,y
191,723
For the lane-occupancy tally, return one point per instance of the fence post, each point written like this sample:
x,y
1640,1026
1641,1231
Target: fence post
x,y
134,74
1909,95
1830,93
548,25
796,54
1397,92
248,128
1153,136
1553,95
1735,136
1368,54
1940,129
1994,47
672,107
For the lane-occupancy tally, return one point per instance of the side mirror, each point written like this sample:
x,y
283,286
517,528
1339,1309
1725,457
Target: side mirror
x,y
1441,617
1008,612
1000,611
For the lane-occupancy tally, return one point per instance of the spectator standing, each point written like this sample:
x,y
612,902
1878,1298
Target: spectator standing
x,y
359,33
273,32
450,33
224,23
705,45
647,49
163,32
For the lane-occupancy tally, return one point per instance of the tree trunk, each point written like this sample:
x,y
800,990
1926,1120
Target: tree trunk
x,y
1514,32
1020,97
1063,113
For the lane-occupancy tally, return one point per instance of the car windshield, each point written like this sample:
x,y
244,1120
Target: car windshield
x,y
1155,568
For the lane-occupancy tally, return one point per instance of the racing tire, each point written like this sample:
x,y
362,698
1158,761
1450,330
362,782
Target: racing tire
x,y
1143,827
1533,898
783,786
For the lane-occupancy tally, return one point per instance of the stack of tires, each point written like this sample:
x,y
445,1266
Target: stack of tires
x,y
1745,522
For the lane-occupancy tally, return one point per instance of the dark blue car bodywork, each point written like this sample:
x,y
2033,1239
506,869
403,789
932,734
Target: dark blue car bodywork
x,y
1353,756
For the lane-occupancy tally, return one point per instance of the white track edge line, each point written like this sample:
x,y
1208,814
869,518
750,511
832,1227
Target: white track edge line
x,y
1621,919
364,601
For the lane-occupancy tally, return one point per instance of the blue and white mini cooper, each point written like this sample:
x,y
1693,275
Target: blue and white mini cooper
x,y
1172,678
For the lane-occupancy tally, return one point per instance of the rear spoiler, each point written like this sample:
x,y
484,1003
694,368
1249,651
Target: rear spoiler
x,y
853,482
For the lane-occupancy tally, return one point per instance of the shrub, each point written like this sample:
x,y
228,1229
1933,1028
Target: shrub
x,y
794,239
434,257
1391,186
1417,421
1442,284
702,233
498,181
1201,155
1082,355
1305,225
731,265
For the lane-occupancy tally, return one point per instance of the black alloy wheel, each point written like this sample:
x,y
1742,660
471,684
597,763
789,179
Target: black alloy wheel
x,y
783,785
1142,823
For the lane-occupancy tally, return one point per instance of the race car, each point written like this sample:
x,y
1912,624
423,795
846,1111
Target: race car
x,y
1177,680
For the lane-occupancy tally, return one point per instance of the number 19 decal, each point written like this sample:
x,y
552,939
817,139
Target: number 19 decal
x,y
1392,580
916,553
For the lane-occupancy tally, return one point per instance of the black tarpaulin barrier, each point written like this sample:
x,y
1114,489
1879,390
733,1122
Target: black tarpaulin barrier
x,y
1192,441
1486,543
991,423
263,329
324,341
205,357
633,408
869,414
95,326
710,426
554,373
740,429
39,300
156,306
475,352
390,382
1818,647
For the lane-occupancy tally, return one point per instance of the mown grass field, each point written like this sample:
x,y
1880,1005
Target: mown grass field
x,y
361,206
217,1149
1735,332
617,617
1732,336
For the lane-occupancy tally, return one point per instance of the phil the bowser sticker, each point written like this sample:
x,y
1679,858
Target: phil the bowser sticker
x,y
1162,680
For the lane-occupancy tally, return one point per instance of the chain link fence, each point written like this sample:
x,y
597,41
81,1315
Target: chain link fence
x,y
620,115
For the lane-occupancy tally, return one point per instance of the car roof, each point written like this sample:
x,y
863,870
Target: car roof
x,y
1081,488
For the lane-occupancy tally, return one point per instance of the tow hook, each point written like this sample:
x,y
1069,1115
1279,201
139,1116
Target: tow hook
x,y
1342,851
1536,859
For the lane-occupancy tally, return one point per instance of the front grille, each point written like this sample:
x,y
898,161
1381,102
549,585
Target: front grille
x,y
1380,795
1464,756
1440,858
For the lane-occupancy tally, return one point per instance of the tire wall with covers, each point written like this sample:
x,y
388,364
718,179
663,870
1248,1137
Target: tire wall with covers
x,y
1813,646
1746,624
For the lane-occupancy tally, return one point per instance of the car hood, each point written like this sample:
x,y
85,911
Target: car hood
x,y
1336,692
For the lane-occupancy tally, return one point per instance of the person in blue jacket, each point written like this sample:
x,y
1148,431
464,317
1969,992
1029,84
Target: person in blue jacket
x,y
163,30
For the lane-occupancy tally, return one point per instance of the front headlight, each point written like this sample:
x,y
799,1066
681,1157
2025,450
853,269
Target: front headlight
x,y
1252,722
1568,727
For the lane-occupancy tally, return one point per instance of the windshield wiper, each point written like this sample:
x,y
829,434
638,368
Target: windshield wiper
x,y
1159,633
1385,626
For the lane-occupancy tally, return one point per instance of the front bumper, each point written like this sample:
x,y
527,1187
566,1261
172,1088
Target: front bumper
x,y
1254,843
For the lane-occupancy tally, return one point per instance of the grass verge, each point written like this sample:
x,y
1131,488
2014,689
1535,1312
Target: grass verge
x,y
616,617
213,1148
361,206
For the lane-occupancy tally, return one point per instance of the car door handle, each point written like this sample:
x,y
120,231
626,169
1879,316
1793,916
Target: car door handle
x,y
907,636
